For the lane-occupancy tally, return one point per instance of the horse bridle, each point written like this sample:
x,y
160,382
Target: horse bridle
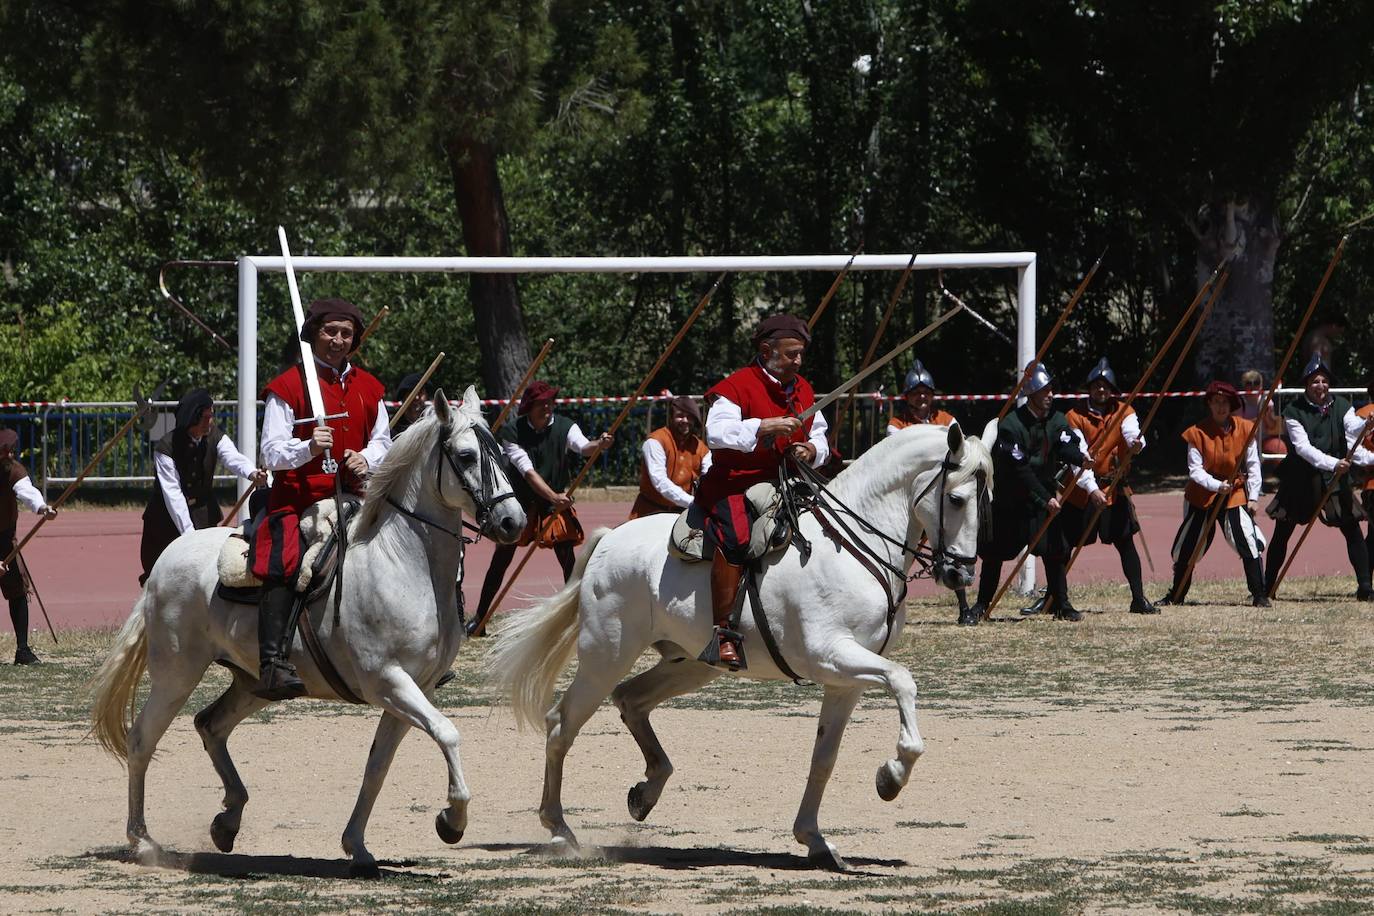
x,y
484,499
942,558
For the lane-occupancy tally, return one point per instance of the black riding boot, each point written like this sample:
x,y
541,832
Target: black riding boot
x,y
1359,560
277,678
1254,578
19,616
989,577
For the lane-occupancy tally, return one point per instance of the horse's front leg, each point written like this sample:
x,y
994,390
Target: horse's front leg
x,y
390,731
852,663
836,706
401,697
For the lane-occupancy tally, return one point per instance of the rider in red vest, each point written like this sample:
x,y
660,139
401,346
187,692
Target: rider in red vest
x,y
294,452
751,426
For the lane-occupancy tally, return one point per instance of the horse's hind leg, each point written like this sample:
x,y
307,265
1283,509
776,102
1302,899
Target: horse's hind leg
x,y
837,705
214,723
636,698
172,684
597,673
402,698
390,731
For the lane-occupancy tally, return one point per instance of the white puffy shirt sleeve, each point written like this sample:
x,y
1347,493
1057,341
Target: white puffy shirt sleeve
x,y
578,442
281,449
1130,431
1354,428
232,458
172,497
379,443
726,427
28,494
518,457
1254,479
656,464
1304,448
1087,480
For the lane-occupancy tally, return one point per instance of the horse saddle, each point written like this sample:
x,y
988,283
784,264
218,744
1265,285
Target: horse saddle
x,y
319,559
768,532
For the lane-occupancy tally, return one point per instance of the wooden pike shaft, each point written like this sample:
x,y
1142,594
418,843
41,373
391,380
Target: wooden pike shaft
x,y
71,487
372,326
415,392
1307,529
1223,498
834,286
1154,408
524,383
1049,339
877,337
479,626
234,512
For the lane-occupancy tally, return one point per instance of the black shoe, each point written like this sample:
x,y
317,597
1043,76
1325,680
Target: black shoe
x,y
278,681
1036,607
1364,593
969,616
471,628
24,656
1068,612
1259,601
1141,605
444,678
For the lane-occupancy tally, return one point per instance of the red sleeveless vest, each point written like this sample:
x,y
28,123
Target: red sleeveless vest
x,y
758,396
358,394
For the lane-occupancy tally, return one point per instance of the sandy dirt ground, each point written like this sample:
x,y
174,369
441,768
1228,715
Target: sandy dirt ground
x,y
1063,803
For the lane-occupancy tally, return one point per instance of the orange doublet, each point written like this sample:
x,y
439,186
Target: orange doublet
x,y
1223,456
937,417
684,467
1111,451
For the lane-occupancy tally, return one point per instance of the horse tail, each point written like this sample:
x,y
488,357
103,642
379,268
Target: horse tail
x,y
115,685
536,643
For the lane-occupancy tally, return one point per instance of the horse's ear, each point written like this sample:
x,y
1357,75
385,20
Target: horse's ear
x,y
989,436
956,438
471,402
442,409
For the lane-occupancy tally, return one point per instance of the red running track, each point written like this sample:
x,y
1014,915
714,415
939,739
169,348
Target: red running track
x,y
86,563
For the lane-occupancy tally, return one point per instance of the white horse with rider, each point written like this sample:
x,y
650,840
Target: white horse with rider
x,y
831,615
396,632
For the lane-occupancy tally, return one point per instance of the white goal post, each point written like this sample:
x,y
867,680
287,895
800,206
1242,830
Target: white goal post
x,y
1023,262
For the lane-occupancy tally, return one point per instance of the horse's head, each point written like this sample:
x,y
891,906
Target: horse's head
x,y
952,505
470,466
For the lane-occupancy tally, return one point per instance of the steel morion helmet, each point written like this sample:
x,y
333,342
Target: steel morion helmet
x,y
918,376
1103,371
1039,378
1314,365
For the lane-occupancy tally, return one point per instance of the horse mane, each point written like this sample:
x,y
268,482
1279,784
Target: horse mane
x,y
393,475
976,458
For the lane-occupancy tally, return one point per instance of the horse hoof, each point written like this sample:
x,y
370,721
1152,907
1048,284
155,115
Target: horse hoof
x,y
145,851
827,858
563,844
446,833
366,871
636,802
221,834
888,785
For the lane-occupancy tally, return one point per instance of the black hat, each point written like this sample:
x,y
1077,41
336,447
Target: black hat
x,y
191,406
777,326
408,383
322,310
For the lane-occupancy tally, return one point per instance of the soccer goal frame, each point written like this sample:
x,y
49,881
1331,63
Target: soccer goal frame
x,y
249,267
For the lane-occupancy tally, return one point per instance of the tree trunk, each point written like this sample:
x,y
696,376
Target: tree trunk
x,y
1240,331
501,339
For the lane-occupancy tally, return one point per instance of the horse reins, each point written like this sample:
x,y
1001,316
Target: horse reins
x,y
829,511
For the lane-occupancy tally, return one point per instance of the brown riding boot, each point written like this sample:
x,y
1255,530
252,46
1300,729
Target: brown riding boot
x,y
725,581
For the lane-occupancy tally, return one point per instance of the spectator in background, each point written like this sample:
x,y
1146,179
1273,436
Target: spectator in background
x,y
417,406
1271,436
675,458
183,492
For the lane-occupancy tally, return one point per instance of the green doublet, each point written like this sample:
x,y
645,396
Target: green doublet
x,y
1026,460
548,451
1301,485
